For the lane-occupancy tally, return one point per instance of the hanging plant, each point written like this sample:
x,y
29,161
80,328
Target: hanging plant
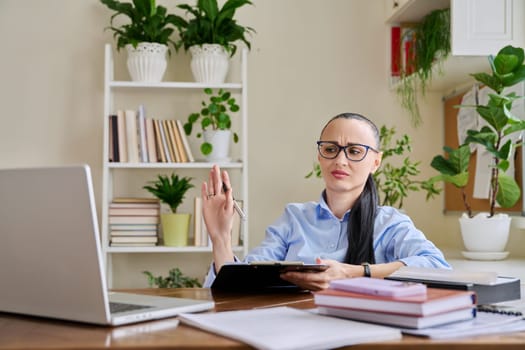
x,y
431,45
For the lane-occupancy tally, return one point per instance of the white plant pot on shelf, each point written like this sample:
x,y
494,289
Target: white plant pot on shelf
x,y
147,62
220,141
209,63
485,238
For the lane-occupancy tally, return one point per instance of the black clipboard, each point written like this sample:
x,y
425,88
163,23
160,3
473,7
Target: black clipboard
x,y
260,276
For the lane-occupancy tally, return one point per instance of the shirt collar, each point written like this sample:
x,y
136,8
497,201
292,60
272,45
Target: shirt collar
x,y
324,212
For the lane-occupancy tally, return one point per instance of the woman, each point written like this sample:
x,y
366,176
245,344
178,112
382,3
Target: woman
x,y
345,230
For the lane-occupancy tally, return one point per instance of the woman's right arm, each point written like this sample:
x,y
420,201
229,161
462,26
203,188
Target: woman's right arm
x,y
217,208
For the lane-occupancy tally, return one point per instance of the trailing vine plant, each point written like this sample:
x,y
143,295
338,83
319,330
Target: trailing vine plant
x,y
431,47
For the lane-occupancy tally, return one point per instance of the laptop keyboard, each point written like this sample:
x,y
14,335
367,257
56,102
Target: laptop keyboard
x,y
122,307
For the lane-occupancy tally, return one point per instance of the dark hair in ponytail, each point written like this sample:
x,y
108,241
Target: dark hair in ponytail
x,y
361,226
362,216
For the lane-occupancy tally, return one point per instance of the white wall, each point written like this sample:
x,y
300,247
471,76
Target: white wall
x,y
309,61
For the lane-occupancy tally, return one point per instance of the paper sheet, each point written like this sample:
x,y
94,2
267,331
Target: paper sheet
x,y
282,328
467,116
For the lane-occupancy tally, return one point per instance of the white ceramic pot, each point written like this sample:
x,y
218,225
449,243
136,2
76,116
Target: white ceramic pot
x,y
220,141
209,63
147,62
484,234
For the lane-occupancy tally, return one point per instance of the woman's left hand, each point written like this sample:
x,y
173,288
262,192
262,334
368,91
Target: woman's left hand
x,y
321,280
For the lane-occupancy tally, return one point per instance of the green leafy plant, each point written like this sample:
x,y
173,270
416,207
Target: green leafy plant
x,y
148,22
507,70
394,182
175,279
214,115
210,24
431,46
170,190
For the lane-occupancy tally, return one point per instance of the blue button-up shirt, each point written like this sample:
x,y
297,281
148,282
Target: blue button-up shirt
x,y
309,230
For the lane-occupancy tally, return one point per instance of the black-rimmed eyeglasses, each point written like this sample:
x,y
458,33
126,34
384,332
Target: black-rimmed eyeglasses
x,y
355,152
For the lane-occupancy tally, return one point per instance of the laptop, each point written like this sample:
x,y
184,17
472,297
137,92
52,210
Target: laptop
x,y
50,253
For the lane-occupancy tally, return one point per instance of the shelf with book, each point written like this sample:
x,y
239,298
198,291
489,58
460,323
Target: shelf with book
x,y
126,179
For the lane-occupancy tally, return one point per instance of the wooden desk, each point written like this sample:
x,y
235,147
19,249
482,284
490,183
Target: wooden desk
x,y
20,332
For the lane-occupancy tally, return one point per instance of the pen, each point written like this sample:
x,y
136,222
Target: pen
x,y
236,206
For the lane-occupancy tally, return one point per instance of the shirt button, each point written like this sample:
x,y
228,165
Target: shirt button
x,y
331,246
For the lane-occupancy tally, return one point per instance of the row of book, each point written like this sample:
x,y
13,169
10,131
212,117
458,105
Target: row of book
x,y
135,138
134,222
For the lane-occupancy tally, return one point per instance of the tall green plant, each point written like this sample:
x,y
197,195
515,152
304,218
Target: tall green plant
x,y
148,22
210,24
507,70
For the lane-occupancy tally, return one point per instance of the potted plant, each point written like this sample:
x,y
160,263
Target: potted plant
x,y
145,37
210,34
498,123
216,125
175,279
171,191
394,181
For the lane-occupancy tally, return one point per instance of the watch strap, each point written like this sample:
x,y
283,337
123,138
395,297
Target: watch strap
x,y
366,267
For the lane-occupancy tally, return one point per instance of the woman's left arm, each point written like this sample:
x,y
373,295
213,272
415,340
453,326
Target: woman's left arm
x,y
398,239
337,270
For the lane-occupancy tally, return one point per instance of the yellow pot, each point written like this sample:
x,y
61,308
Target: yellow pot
x,y
175,228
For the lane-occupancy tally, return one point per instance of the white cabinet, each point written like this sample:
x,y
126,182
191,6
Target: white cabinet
x,y
118,178
483,27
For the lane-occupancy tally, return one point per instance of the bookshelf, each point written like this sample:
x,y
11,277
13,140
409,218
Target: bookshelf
x,y
114,171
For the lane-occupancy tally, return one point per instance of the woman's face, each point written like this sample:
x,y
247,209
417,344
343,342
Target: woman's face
x,y
341,174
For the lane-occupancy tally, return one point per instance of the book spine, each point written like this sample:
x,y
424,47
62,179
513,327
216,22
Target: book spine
x,y
114,138
158,141
151,142
122,142
141,129
178,142
197,221
185,142
395,55
171,142
131,134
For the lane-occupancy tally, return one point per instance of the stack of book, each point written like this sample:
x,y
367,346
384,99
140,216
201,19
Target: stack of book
x,y
381,301
134,222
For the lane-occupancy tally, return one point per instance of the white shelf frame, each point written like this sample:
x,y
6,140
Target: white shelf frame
x,y
111,86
